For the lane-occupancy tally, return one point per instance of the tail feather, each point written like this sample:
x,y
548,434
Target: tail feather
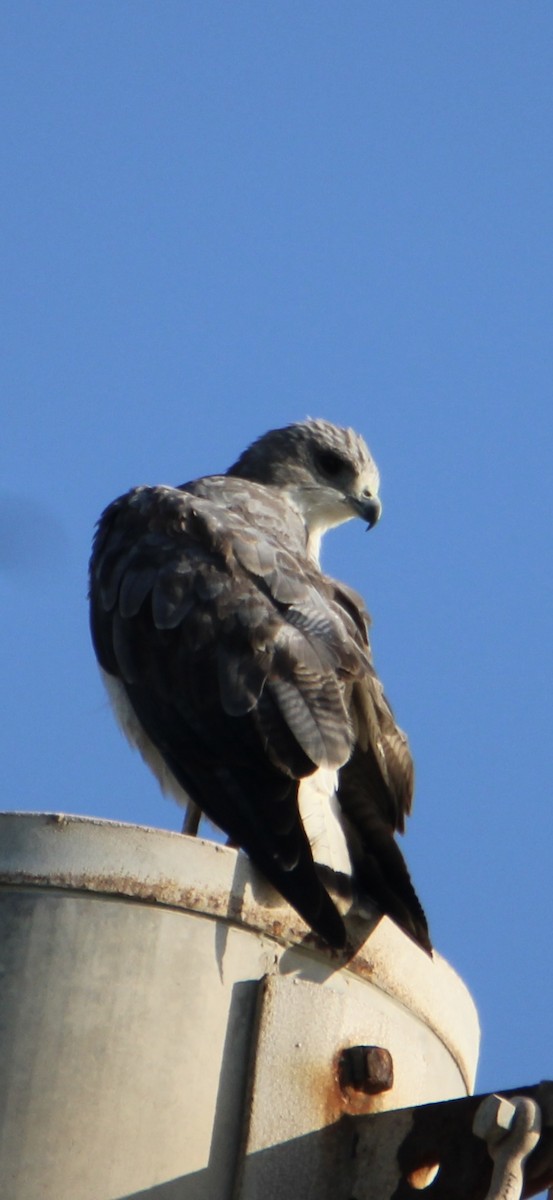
x,y
381,873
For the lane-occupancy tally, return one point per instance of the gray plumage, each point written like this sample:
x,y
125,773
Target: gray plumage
x,y
241,671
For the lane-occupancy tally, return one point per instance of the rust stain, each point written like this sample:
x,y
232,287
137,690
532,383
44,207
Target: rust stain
x,y
343,1098
283,925
288,929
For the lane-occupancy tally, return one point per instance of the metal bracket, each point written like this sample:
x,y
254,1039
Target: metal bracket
x,y
327,1115
431,1149
477,1148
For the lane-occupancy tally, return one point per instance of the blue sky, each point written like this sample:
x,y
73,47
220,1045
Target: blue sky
x,y
220,218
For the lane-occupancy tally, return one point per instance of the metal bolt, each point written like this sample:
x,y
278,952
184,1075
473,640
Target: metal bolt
x,y
367,1069
493,1117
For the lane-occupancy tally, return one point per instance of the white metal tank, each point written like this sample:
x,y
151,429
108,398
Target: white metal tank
x,y
170,1030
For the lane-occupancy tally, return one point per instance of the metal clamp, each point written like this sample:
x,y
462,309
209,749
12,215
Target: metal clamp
x,y
493,1147
511,1130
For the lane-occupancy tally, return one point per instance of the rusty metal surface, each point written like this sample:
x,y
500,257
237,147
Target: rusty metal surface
x,y
166,868
130,962
299,1094
395,1155
102,995
366,1069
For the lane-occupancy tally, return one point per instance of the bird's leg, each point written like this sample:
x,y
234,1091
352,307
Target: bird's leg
x,y
192,818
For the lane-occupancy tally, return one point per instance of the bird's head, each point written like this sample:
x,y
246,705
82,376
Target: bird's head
x,y
326,472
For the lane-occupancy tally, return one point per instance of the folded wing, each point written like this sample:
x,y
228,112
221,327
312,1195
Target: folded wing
x,y
246,670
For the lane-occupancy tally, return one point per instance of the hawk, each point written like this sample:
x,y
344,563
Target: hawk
x,y
244,675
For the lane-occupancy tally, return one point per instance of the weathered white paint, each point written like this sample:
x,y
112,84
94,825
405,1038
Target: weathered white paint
x,y
130,969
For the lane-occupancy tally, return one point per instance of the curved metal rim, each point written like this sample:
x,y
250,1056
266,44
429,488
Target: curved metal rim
x,y
157,866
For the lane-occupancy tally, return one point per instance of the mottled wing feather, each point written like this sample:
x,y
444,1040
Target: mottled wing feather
x,y
204,605
248,669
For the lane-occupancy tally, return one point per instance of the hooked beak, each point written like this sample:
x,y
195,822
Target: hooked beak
x,y
368,507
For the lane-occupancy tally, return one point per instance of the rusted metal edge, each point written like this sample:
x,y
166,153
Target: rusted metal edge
x,y
162,867
206,903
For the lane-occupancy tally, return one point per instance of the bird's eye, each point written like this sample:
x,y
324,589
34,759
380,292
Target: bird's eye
x,y
330,463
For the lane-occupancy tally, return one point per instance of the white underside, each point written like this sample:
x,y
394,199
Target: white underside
x,y
129,723
320,813
318,804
